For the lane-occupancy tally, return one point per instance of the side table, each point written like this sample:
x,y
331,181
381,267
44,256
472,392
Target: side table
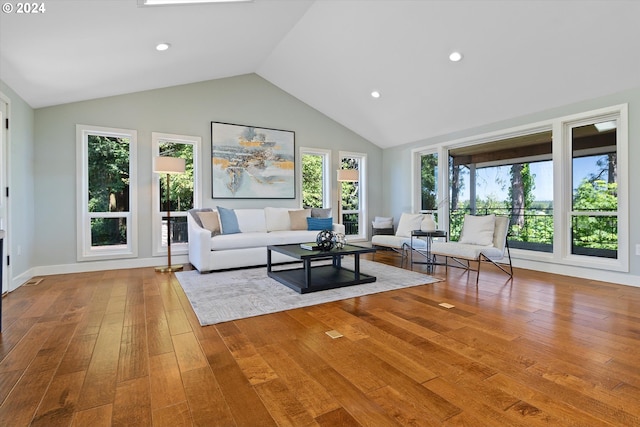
x,y
428,236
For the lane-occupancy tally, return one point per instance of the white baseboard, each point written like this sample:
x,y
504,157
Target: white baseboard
x,y
83,267
580,272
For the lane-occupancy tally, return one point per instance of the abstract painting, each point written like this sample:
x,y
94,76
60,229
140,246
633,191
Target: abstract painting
x,y
249,162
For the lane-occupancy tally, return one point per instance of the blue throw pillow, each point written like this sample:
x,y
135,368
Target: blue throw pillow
x,y
228,221
319,223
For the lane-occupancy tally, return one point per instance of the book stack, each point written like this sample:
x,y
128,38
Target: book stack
x,y
310,246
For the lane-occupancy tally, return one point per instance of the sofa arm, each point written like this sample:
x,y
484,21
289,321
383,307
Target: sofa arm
x,y
199,245
338,228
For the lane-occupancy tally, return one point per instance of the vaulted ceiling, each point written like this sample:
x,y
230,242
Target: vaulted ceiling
x,y
519,56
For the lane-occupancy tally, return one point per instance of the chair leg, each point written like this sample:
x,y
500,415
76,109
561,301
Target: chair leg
x,y
478,272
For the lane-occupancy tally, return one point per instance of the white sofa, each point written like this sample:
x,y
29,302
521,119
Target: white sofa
x,y
212,247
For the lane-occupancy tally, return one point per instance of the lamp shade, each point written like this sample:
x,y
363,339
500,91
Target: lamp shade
x,y
348,175
164,164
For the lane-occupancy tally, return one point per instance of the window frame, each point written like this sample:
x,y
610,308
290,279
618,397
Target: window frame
x,y
362,212
326,174
84,250
562,184
620,114
159,246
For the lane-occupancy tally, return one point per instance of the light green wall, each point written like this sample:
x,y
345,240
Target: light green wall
x,y
184,110
397,161
21,237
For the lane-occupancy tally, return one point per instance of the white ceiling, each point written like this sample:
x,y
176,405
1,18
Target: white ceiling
x,y
519,56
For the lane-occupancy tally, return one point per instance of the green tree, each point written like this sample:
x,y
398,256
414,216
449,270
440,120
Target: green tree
x,y
108,186
181,185
520,199
428,181
312,182
601,231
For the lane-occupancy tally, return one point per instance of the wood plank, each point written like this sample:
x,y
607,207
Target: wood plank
x,y
207,403
27,349
60,400
244,403
21,404
100,416
132,405
165,381
133,359
188,352
100,383
173,416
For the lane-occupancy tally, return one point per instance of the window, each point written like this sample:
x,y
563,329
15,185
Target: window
x,y
352,196
184,191
563,184
107,214
429,201
316,184
510,177
594,211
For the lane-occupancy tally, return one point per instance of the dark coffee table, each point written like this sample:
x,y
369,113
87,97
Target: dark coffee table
x,y
319,277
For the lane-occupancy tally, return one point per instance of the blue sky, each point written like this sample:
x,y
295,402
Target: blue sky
x,y
494,181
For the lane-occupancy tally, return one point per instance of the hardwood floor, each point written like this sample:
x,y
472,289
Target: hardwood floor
x,y
125,348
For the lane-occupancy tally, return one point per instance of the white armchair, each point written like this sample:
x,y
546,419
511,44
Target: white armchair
x,y
483,238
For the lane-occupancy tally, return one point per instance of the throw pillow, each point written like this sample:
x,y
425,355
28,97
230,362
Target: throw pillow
x,y
319,224
321,212
408,222
228,221
298,218
478,230
210,221
382,222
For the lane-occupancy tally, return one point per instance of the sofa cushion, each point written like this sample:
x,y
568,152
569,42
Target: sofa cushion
x,y
251,220
257,239
478,230
382,222
464,250
408,222
318,224
397,242
277,219
321,212
239,241
292,237
210,221
298,218
228,221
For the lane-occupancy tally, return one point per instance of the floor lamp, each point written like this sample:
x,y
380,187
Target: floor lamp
x,y
345,175
169,166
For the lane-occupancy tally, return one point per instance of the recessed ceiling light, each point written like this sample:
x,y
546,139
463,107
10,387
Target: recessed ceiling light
x,y
455,56
375,94
163,46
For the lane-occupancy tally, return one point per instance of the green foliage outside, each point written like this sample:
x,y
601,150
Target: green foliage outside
x,y
597,232
108,171
312,182
428,178
181,185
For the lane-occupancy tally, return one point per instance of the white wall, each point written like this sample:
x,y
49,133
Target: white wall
x,y
184,110
397,172
20,241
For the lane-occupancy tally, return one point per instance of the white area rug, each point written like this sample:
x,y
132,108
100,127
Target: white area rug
x,y
230,295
